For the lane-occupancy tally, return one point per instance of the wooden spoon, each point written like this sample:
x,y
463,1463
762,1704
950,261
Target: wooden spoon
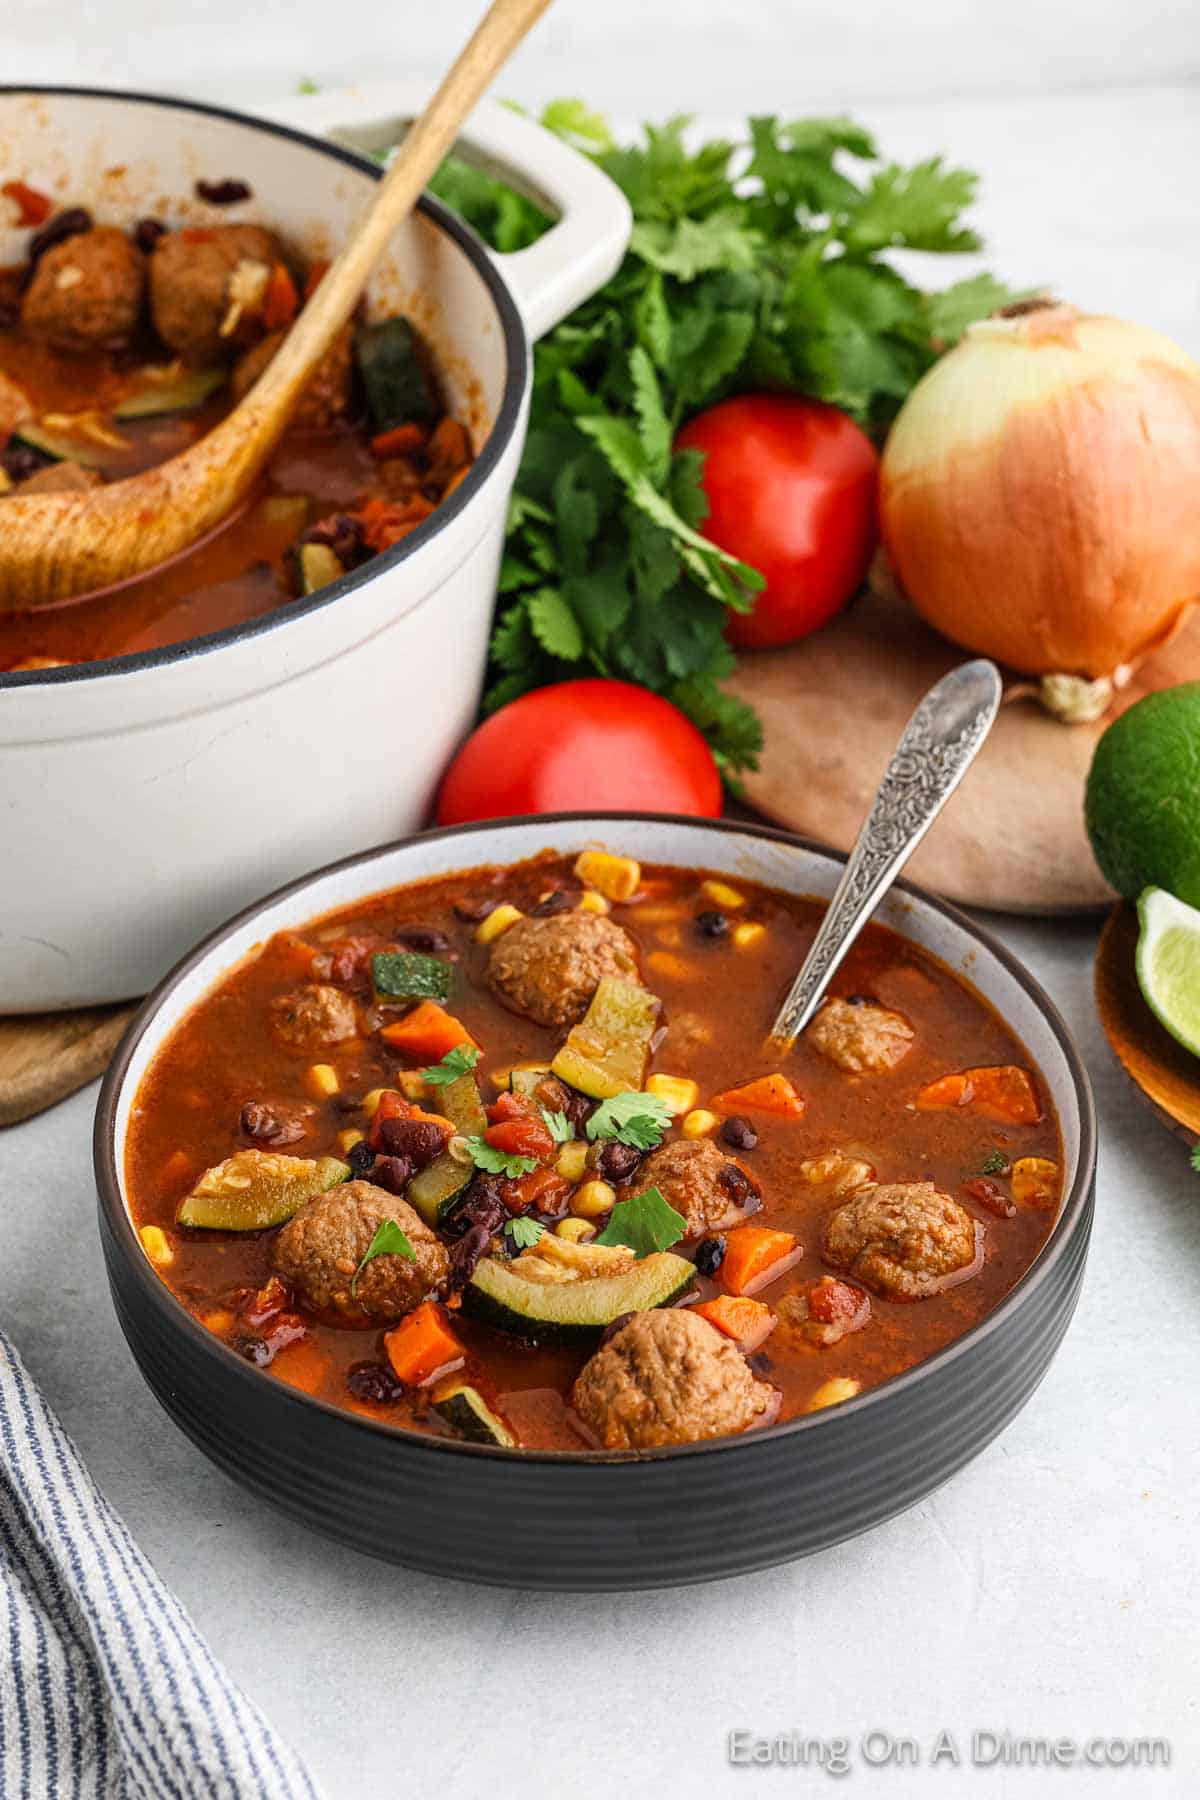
x,y
55,546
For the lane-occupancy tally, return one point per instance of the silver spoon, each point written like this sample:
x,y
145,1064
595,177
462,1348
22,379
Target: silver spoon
x,y
939,744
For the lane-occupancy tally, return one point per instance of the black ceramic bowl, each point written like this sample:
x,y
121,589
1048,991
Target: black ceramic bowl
x,y
602,1520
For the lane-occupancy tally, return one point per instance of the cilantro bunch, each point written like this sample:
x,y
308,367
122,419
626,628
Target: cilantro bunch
x,y
755,264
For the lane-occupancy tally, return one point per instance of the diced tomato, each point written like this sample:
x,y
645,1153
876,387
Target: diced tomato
x,y
748,1322
833,1302
508,1106
541,1189
32,208
755,1255
280,301
520,1137
266,1302
422,1346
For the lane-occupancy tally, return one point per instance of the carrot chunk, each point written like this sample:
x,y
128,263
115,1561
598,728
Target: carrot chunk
x,y
422,1345
748,1322
1004,1092
754,1255
280,301
401,440
32,208
770,1094
427,1033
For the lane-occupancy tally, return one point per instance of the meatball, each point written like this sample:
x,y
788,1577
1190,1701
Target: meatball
x,y
327,398
709,1190
549,968
667,1378
86,292
311,1017
320,1249
61,478
825,1312
207,287
905,1240
860,1037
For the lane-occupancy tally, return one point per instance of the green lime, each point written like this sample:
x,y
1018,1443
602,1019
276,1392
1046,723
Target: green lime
x,y
1142,807
1168,964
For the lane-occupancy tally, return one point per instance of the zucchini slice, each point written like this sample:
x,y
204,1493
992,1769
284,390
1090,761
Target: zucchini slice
x,y
572,1312
184,393
408,975
605,1054
60,446
253,1189
397,386
468,1413
526,1082
431,1190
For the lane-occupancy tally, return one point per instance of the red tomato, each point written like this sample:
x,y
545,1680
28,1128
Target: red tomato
x,y
791,487
579,747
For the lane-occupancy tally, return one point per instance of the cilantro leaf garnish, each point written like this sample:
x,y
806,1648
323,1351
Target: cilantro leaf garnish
x,y
763,261
498,1162
644,1224
522,1234
631,1118
457,1062
389,1240
1196,1158
994,1163
559,1126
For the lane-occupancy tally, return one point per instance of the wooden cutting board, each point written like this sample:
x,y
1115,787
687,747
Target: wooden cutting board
x,y
46,1056
1012,838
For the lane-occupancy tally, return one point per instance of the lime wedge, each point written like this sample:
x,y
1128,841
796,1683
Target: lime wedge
x,y
1168,964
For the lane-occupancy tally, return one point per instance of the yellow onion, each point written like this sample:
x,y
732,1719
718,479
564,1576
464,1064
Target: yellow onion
x,y
1040,494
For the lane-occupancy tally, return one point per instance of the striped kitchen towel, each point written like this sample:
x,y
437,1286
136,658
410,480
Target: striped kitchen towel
x,y
107,1690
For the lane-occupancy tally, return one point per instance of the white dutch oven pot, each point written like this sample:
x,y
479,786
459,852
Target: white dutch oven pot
x,y
145,798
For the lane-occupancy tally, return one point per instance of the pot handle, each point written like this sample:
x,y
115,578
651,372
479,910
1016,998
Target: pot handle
x,y
592,216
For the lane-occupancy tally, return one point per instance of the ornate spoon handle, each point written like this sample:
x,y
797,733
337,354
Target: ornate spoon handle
x,y
939,745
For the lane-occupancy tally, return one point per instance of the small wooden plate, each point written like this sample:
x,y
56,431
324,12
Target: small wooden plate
x,y
1167,1074
46,1056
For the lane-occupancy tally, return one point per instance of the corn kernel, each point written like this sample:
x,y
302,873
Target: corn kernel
x,y
721,894
572,1160
665,962
412,1084
747,935
699,1123
616,877
322,1079
578,1230
347,1141
656,914
591,901
370,1102
833,1392
497,921
679,1092
1035,1181
593,1200
157,1245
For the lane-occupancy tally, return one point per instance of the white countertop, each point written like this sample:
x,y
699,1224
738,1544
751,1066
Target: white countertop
x,y
1049,1590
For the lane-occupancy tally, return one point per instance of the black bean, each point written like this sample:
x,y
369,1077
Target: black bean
x,y
340,533
256,1350
347,1103
471,909
361,1158
577,1107
617,1162
478,1204
557,902
466,1254
418,1141
373,1381
19,461
618,1324
271,1125
710,1253
71,223
712,924
739,1133
990,1196
223,193
423,938
736,1182
392,1173
858,1000
147,232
